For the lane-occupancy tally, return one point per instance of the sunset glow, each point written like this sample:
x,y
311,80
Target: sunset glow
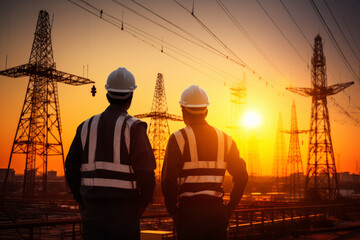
x,y
251,119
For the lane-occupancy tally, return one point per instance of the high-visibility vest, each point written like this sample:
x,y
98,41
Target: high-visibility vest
x,y
112,173
202,177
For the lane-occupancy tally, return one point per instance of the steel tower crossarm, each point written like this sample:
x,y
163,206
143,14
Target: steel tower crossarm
x,y
321,91
302,91
296,131
334,89
160,115
31,69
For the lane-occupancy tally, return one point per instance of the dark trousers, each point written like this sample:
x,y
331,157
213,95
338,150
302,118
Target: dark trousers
x,y
201,218
118,220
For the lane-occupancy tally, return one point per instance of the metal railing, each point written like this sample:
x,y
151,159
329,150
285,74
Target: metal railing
x,y
32,225
274,221
72,225
279,220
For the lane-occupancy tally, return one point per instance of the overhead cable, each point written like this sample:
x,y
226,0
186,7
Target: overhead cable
x,y
251,40
282,33
292,18
347,27
346,113
215,36
208,46
142,36
337,24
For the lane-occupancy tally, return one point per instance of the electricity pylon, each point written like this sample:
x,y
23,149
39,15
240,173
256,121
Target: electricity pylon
x,y
321,178
294,169
38,133
279,164
159,131
238,101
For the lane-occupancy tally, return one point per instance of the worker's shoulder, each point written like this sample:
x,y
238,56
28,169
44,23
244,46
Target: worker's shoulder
x,y
178,132
225,134
176,135
134,122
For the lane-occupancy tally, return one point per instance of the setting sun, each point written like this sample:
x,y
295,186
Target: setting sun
x,y
251,119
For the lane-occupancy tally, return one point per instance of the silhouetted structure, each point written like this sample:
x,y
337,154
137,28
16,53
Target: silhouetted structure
x,y
159,131
321,178
279,165
38,134
295,169
238,101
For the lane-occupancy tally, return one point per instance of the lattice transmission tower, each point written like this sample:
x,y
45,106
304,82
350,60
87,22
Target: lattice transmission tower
x,y
279,165
238,101
38,134
321,178
294,170
159,131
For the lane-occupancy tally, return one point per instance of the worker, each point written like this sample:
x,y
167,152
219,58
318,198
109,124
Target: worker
x,y
195,163
110,166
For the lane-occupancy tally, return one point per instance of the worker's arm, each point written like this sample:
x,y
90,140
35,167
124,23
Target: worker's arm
x,y
144,164
236,166
169,178
72,166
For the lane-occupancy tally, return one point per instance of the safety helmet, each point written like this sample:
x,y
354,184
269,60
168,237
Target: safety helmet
x,y
194,97
120,81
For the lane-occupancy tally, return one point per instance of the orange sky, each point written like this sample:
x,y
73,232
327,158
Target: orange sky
x,y
80,39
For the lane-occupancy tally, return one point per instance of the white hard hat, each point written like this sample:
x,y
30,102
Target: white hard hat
x,y
194,97
121,81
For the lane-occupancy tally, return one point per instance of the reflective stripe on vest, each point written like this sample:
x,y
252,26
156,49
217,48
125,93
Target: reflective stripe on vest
x,y
201,179
114,166
195,164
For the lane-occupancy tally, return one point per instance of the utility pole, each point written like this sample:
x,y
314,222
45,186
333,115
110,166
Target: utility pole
x,y
38,134
321,176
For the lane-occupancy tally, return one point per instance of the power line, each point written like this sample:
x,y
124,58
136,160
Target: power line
x,y
218,39
192,35
298,27
141,35
346,25
208,46
181,52
282,33
346,113
251,40
337,24
260,78
214,36
328,31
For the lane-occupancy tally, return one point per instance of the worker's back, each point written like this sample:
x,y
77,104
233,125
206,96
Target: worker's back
x,y
107,171
110,160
